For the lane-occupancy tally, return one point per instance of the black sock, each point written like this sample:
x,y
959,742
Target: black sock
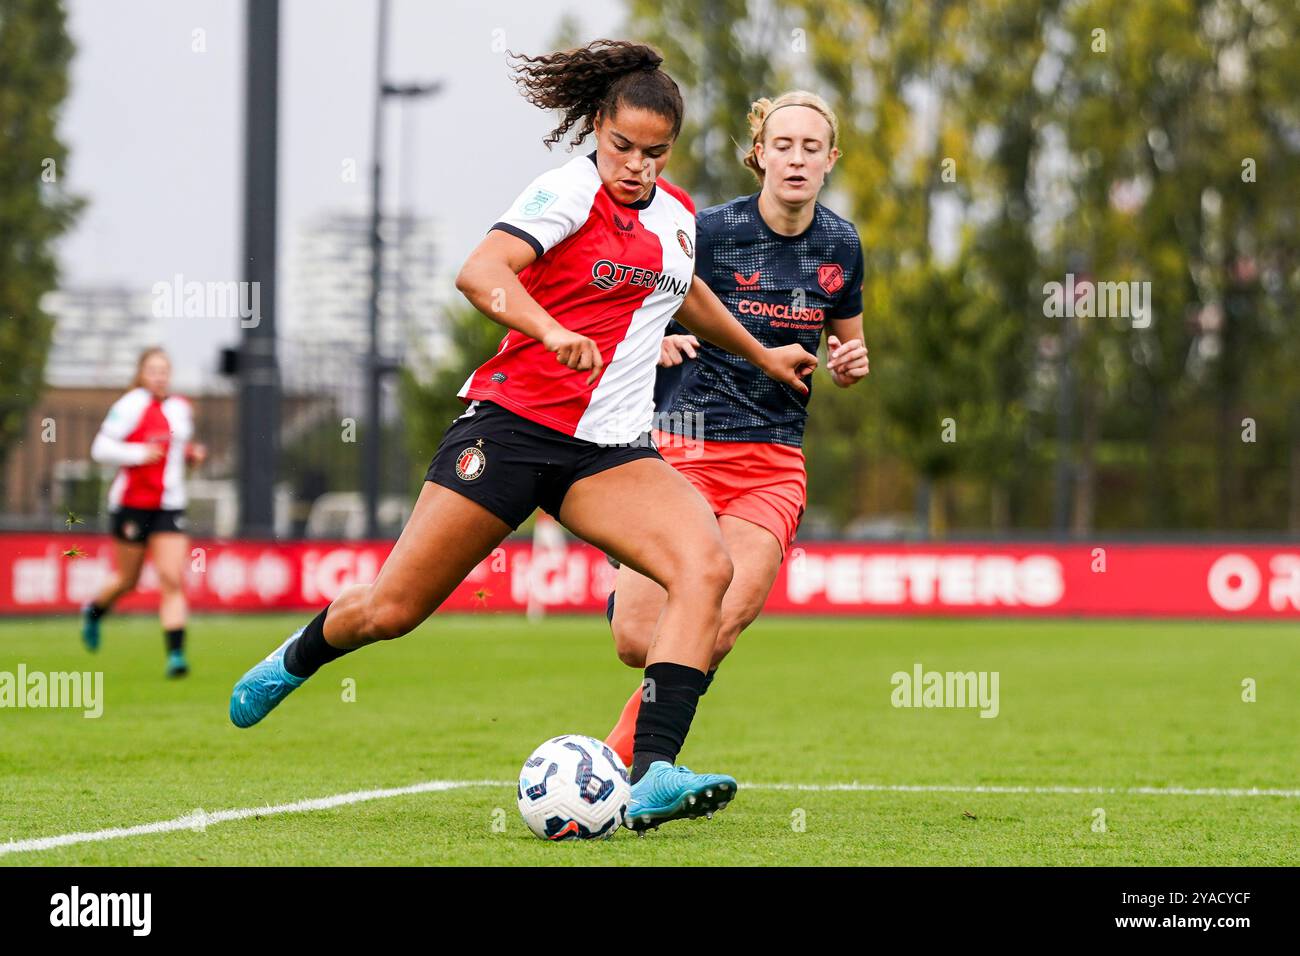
x,y
609,608
175,639
311,651
95,611
708,681
671,694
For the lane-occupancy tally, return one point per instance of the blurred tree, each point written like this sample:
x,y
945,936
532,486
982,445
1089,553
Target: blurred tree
x,y
721,55
1168,127
34,208
949,316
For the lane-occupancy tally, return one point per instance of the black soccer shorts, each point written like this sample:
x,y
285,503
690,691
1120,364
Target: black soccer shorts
x,y
511,465
134,525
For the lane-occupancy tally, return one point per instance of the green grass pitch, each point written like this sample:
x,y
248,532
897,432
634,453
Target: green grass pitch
x,y
1118,705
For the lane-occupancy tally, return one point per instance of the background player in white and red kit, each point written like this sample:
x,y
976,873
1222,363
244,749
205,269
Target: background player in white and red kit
x,y
147,434
585,270
790,270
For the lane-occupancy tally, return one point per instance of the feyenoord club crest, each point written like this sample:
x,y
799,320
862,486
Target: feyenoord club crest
x,y
470,463
830,277
685,242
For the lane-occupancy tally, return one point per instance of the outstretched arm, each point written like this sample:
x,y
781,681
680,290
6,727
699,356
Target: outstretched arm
x,y
705,315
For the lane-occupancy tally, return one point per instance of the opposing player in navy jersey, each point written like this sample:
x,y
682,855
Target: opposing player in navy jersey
x,y
789,270
584,270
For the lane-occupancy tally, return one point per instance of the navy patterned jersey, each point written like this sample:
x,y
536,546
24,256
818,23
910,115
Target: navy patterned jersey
x,y
782,289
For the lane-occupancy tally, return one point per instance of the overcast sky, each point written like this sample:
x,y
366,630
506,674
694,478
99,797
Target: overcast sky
x,y
155,129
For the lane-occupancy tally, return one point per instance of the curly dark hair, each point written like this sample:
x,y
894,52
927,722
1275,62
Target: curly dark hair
x,y
598,78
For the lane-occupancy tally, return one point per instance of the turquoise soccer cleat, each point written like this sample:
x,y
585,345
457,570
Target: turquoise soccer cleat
x,y
260,690
674,793
89,630
176,666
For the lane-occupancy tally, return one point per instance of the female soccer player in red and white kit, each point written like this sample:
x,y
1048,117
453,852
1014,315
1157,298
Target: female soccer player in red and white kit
x,y
789,270
584,270
148,434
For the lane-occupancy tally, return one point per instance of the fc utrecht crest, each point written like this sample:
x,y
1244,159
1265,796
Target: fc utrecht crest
x,y
830,277
470,463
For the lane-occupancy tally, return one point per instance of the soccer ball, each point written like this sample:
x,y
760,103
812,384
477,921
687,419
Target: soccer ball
x,y
573,788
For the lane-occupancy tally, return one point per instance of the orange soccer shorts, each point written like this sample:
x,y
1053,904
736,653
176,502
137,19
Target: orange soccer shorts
x,y
760,482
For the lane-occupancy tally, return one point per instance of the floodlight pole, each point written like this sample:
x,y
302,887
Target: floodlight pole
x,y
258,368
376,366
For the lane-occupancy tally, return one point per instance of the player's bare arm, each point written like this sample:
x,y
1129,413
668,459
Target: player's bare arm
x,y
846,351
707,317
490,280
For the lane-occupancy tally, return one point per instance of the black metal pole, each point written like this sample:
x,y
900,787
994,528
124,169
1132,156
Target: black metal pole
x,y
372,443
259,373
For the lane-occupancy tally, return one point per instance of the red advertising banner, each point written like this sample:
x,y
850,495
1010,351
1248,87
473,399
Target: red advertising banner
x,y
39,575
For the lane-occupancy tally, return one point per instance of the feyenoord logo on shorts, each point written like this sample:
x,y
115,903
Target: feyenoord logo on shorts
x,y
470,462
130,530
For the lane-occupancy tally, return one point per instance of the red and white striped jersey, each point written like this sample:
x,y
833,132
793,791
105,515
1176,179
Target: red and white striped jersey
x,y
135,421
612,272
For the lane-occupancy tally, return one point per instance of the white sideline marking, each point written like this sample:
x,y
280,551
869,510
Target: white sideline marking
x,y
199,819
